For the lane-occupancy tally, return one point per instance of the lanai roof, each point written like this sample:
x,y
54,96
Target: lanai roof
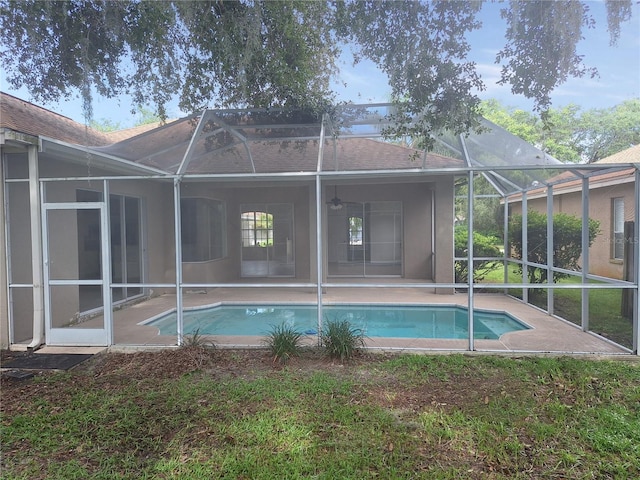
x,y
276,141
255,141
613,172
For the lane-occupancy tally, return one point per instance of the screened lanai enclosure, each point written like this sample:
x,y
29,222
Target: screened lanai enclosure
x,y
259,209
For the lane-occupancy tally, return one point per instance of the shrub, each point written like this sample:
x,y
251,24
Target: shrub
x,y
283,341
196,340
483,246
340,340
567,242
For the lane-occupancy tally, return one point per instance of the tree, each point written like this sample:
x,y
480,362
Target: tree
x,y
105,125
554,134
483,246
145,117
569,134
603,132
488,213
283,53
567,242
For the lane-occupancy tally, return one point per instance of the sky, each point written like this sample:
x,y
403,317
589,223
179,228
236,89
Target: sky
x,y
618,66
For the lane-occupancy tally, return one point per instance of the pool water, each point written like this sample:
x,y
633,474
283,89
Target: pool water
x,y
374,320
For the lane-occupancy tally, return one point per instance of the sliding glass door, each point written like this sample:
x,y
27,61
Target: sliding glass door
x,y
125,244
365,239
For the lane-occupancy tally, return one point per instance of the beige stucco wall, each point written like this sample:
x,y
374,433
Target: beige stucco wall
x,y
19,240
234,195
416,203
600,209
443,223
4,302
159,236
416,222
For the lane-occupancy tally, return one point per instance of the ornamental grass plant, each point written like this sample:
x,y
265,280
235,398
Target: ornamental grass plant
x,y
340,340
284,342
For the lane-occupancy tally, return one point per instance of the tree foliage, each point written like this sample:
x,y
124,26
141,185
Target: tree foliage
x,y
603,132
569,133
488,213
567,242
145,116
483,246
224,53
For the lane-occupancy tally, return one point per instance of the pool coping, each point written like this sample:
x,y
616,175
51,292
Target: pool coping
x,y
547,335
405,340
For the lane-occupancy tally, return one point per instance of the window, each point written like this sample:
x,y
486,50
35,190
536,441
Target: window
x,y
203,229
257,229
355,230
267,240
617,227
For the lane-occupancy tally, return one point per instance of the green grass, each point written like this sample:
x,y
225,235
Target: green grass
x,y
605,316
385,417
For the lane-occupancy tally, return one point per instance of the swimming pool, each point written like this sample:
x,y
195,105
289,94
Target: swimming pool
x,y
425,321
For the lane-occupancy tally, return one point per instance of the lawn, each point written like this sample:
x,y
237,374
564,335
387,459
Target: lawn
x,y
605,316
198,413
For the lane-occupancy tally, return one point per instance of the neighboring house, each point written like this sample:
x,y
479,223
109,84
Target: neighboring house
x,y
247,191
611,202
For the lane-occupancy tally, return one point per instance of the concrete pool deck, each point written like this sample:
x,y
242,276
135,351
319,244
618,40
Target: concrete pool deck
x,y
547,335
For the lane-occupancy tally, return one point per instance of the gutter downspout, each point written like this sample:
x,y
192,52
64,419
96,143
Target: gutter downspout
x,y
36,249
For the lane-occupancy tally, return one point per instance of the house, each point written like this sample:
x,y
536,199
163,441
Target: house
x,y
246,186
611,202
97,226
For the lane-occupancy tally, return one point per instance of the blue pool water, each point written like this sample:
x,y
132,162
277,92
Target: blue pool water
x,y
374,320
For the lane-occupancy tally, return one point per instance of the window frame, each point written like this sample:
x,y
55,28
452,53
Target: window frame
x,y
617,228
355,230
252,230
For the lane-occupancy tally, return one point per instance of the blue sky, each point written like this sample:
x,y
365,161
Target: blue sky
x,y
619,69
618,66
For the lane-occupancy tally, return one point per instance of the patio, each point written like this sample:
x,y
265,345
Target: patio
x,y
548,334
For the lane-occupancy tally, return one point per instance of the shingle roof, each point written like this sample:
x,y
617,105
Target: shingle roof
x,y
297,156
369,154
165,149
164,146
25,117
630,155
120,135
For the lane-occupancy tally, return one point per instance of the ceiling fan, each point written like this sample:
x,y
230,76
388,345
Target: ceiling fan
x,y
335,203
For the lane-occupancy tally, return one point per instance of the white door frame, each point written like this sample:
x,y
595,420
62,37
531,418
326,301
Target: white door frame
x,y
70,335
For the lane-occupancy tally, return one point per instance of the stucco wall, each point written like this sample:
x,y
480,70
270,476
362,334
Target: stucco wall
x,y
416,204
4,303
18,214
158,238
444,207
227,269
600,209
416,218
